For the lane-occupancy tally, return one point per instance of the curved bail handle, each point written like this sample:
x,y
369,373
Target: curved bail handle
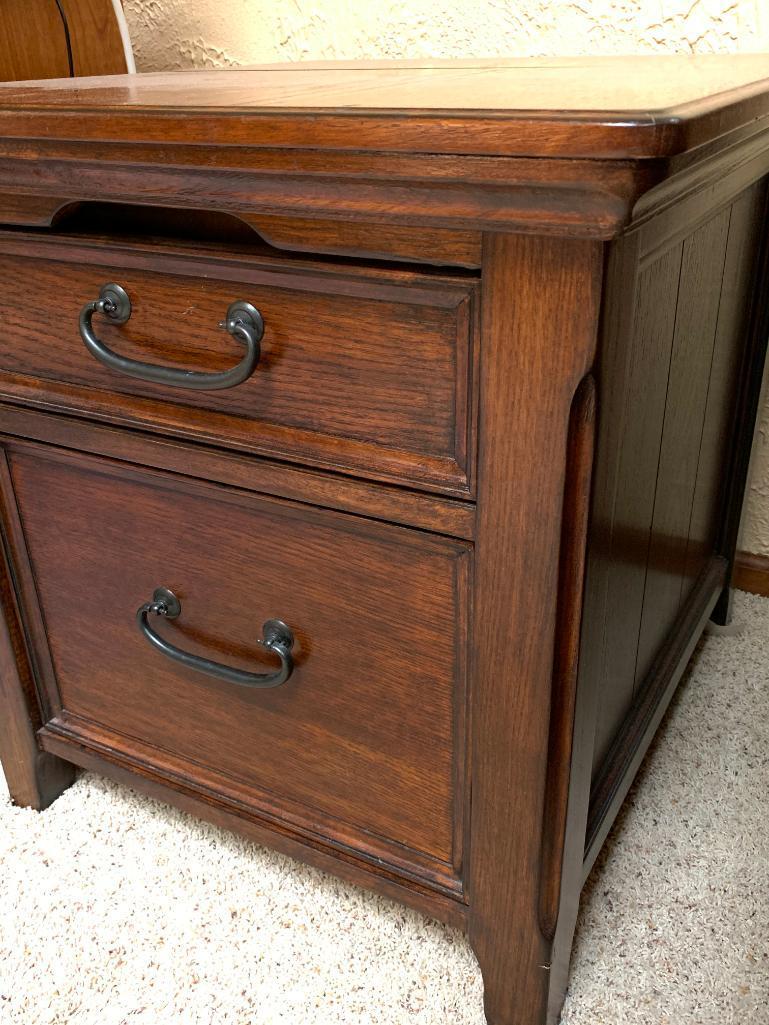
x,y
243,322
276,638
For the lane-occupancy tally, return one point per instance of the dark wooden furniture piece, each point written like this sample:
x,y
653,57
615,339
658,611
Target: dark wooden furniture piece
x,y
60,38
480,439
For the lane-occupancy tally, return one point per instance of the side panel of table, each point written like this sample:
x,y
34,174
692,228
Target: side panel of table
x,y
682,346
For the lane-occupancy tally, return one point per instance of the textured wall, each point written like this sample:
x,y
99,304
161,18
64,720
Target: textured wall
x,y
208,33
221,33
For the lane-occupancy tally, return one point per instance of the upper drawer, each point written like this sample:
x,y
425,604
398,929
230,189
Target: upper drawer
x,y
367,370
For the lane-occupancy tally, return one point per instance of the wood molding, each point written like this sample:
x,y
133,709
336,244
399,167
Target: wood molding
x,y
598,206
571,580
29,211
751,573
435,513
230,815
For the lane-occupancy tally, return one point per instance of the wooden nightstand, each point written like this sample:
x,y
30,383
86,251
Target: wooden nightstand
x,y
374,442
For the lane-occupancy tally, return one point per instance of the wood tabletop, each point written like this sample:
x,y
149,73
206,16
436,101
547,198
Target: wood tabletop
x,y
638,86
643,106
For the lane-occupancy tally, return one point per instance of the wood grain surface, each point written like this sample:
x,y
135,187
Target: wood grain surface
x,y
673,359
374,374
96,42
610,106
34,777
490,468
364,741
44,39
436,513
33,41
540,325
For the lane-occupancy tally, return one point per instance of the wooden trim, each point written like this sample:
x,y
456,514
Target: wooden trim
x,y
539,344
751,573
639,727
444,107
720,178
573,704
332,491
232,815
596,208
571,579
309,825
29,211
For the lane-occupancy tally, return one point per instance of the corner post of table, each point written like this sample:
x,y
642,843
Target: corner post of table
x,y
34,777
541,302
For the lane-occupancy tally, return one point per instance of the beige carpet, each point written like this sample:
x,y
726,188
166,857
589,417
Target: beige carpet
x,y
115,909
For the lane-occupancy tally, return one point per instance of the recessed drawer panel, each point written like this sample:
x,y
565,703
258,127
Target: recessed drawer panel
x,y
363,741
360,370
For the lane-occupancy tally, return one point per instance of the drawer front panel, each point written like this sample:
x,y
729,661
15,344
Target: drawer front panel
x,y
364,742
359,371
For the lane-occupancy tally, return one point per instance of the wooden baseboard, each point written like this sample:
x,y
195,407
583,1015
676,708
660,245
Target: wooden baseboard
x,y
751,573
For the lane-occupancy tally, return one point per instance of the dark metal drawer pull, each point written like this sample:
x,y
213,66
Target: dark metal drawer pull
x,y
244,322
277,638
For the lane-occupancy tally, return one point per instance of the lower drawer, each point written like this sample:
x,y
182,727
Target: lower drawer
x,y
362,746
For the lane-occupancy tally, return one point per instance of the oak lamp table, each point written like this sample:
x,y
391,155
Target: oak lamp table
x,y
374,442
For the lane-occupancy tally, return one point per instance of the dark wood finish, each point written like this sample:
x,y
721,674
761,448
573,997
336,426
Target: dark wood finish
x,y
752,371
232,240
378,613
647,346
35,778
590,198
572,710
672,359
579,460
375,377
734,310
639,726
539,329
751,573
32,211
491,470
437,247
688,378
